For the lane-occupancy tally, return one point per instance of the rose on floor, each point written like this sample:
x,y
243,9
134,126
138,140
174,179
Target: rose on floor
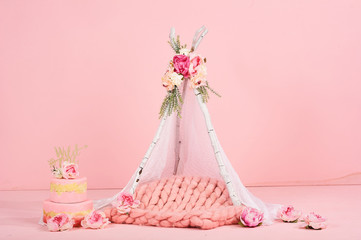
x,y
60,222
125,202
315,221
95,220
289,214
251,217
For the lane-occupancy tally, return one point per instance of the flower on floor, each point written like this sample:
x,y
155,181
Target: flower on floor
x,y
289,214
315,221
95,220
69,170
125,202
60,222
251,217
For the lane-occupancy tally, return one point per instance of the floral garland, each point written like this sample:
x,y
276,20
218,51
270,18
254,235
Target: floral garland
x,y
184,65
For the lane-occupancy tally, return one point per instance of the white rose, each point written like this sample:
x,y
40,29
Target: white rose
x,y
176,78
57,172
184,51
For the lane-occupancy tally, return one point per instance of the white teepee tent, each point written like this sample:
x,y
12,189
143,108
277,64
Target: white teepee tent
x,y
188,146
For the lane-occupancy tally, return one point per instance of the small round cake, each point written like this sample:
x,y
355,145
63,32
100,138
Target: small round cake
x,y
76,210
68,190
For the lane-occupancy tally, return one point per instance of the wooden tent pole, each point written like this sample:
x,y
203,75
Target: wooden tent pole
x,y
177,134
148,153
217,151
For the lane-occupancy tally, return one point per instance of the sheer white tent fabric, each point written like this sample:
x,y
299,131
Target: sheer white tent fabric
x,y
191,142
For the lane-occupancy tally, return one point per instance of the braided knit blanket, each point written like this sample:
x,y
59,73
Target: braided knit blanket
x,y
181,202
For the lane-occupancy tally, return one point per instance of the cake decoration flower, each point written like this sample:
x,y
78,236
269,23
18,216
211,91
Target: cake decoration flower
x,y
289,214
60,222
95,220
251,217
70,170
125,203
57,172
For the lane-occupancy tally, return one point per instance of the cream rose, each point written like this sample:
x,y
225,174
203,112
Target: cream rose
x,y
176,79
95,220
184,51
56,172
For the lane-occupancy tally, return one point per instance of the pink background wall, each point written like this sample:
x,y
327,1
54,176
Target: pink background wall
x,y
88,72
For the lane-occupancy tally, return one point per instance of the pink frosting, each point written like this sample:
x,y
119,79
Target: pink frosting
x,y
66,181
68,196
50,206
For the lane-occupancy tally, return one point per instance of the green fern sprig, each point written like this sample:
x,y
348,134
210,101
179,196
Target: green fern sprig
x,y
212,90
172,103
178,42
176,45
204,92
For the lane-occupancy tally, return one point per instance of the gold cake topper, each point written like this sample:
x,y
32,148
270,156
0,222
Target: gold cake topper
x,y
65,156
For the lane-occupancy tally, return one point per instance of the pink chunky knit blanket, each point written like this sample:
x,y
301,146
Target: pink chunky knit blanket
x,y
181,202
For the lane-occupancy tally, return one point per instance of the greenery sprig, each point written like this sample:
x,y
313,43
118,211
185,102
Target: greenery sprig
x,y
203,90
172,102
176,45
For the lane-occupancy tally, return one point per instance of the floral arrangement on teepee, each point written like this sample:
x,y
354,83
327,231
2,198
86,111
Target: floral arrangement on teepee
x,y
65,165
185,65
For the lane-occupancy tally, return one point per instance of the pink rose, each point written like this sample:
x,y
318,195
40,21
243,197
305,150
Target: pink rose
x,y
123,209
315,221
251,217
181,65
60,222
194,63
125,202
127,199
95,220
289,214
69,170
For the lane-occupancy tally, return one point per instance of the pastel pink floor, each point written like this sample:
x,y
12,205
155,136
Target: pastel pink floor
x,y
21,210
181,202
